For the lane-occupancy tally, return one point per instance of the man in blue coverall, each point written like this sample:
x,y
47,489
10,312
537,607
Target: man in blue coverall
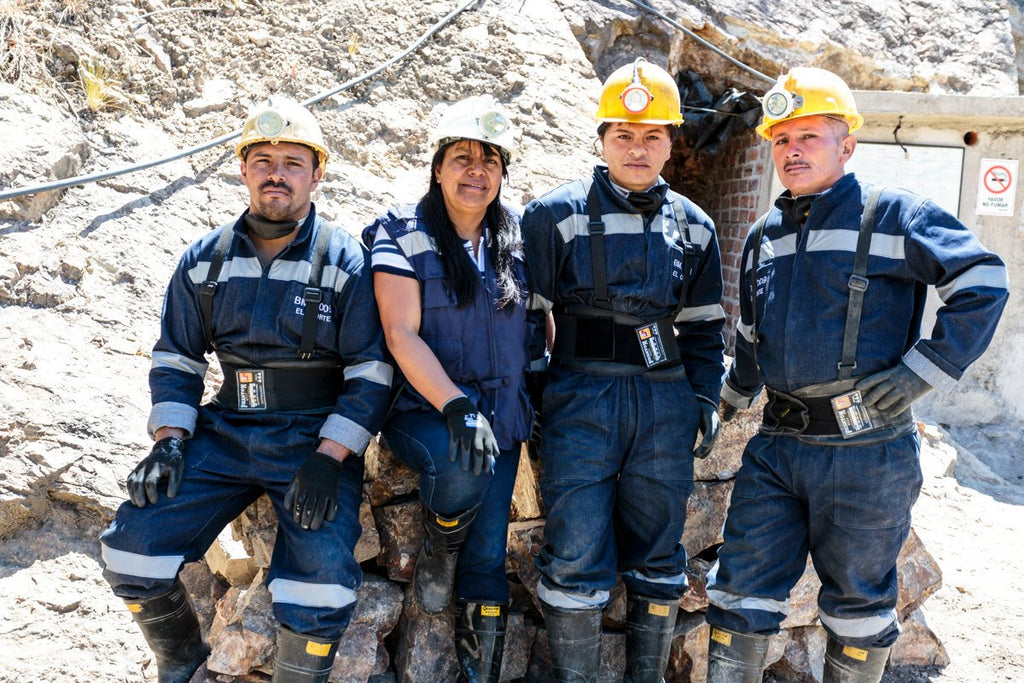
x,y
284,299
632,274
833,285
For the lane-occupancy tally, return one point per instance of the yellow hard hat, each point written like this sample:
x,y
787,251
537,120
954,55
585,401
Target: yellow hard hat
x,y
808,91
281,119
480,117
640,93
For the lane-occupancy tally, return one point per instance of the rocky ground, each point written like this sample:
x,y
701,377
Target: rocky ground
x,y
82,271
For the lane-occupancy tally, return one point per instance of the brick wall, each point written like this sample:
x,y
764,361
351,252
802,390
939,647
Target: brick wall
x,y
736,176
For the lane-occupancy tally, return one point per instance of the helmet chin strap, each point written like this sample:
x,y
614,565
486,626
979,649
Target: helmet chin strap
x,y
267,229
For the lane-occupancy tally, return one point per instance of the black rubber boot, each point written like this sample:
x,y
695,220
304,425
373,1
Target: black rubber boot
x,y
854,664
480,640
650,625
434,576
574,638
171,628
736,657
303,659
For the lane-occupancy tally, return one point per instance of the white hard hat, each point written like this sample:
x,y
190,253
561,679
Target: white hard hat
x,y
480,117
282,119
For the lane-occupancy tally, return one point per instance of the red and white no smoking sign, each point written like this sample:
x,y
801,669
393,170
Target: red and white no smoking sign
x,y
997,182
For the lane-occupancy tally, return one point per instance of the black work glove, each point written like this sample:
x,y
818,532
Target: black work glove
x,y
312,496
892,391
726,410
535,383
533,444
536,380
709,427
165,461
469,436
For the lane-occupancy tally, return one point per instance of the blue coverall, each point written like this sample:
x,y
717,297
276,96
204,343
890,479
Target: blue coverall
x,y
846,502
617,438
233,456
484,351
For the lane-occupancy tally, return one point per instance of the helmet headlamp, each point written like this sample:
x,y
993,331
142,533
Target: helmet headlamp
x,y
479,118
270,124
778,103
281,119
808,91
492,123
635,96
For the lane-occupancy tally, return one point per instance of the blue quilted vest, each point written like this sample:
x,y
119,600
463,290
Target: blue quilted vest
x,y
484,350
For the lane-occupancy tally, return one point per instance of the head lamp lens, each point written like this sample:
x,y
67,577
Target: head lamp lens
x,y
270,124
493,124
635,98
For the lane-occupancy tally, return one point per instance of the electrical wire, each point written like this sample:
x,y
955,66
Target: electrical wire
x,y
713,48
103,175
447,19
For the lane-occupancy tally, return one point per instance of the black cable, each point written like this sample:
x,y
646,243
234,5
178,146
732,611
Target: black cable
x,y
103,175
720,53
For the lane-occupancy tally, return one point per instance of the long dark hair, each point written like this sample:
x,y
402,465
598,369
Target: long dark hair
x,y
460,272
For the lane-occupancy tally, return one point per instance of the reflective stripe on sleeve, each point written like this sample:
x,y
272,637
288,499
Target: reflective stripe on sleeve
x,y
736,399
374,371
978,276
690,314
349,434
174,361
924,368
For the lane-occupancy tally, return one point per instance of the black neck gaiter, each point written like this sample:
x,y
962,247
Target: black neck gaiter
x,y
268,230
649,200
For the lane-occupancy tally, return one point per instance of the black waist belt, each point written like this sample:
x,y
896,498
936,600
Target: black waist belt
x,y
785,414
813,415
304,386
602,338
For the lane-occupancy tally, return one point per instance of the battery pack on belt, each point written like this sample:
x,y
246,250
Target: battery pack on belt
x,y
308,388
813,415
602,338
785,414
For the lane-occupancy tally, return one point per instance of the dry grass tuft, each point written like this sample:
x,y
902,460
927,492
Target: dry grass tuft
x,y
71,8
102,89
15,49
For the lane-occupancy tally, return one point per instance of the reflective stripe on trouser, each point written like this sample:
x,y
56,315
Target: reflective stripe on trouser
x,y
420,440
230,462
617,470
848,506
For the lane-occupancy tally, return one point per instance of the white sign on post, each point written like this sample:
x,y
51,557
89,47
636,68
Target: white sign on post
x,y
997,181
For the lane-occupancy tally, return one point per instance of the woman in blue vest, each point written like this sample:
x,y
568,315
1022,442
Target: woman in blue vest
x,y
462,410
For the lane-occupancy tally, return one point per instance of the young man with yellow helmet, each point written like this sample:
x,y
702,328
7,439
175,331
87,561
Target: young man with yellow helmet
x,y
631,272
285,301
832,294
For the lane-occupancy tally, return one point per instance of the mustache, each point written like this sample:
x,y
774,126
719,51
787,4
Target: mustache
x,y
280,184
